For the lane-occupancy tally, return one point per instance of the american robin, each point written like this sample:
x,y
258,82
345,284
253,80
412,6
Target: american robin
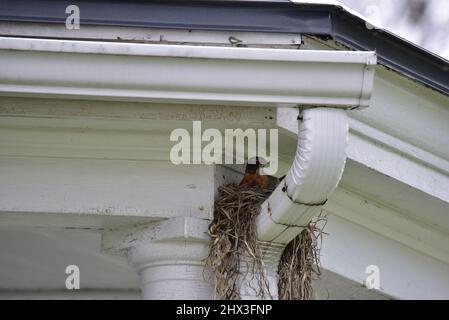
x,y
253,178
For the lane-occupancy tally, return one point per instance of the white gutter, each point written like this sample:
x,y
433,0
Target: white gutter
x,y
186,74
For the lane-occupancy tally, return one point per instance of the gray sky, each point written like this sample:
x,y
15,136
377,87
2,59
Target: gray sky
x,y
424,22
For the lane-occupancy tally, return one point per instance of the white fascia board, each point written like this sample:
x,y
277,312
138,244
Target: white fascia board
x,y
187,74
148,35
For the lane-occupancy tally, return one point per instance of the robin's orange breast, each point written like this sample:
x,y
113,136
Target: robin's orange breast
x,y
254,179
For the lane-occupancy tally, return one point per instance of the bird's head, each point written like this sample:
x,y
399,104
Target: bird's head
x,y
253,165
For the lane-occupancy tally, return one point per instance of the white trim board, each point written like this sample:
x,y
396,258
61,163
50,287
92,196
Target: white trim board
x,y
404,272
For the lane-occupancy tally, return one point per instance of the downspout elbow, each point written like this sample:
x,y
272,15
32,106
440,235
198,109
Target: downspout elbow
x,y
316,171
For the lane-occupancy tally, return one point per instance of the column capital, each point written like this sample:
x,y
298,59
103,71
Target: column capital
x,y
119,241
169,256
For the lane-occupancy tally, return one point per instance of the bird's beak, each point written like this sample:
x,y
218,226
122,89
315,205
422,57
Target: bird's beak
x,y
264,165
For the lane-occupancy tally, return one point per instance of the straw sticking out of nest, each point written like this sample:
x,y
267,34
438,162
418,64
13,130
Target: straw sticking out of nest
x,y
234,240
235,252
300,263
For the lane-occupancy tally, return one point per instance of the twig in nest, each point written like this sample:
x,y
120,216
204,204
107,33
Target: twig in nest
x,y
300,263
234,241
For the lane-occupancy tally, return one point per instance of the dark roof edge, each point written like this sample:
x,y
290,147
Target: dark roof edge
x,y
393,51
280,16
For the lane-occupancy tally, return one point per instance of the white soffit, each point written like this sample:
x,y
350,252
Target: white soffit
x,y
189,74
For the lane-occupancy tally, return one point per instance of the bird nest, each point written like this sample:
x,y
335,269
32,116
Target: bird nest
x,y
235,252
300,263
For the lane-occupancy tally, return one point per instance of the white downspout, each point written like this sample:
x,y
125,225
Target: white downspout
x,y
318,166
